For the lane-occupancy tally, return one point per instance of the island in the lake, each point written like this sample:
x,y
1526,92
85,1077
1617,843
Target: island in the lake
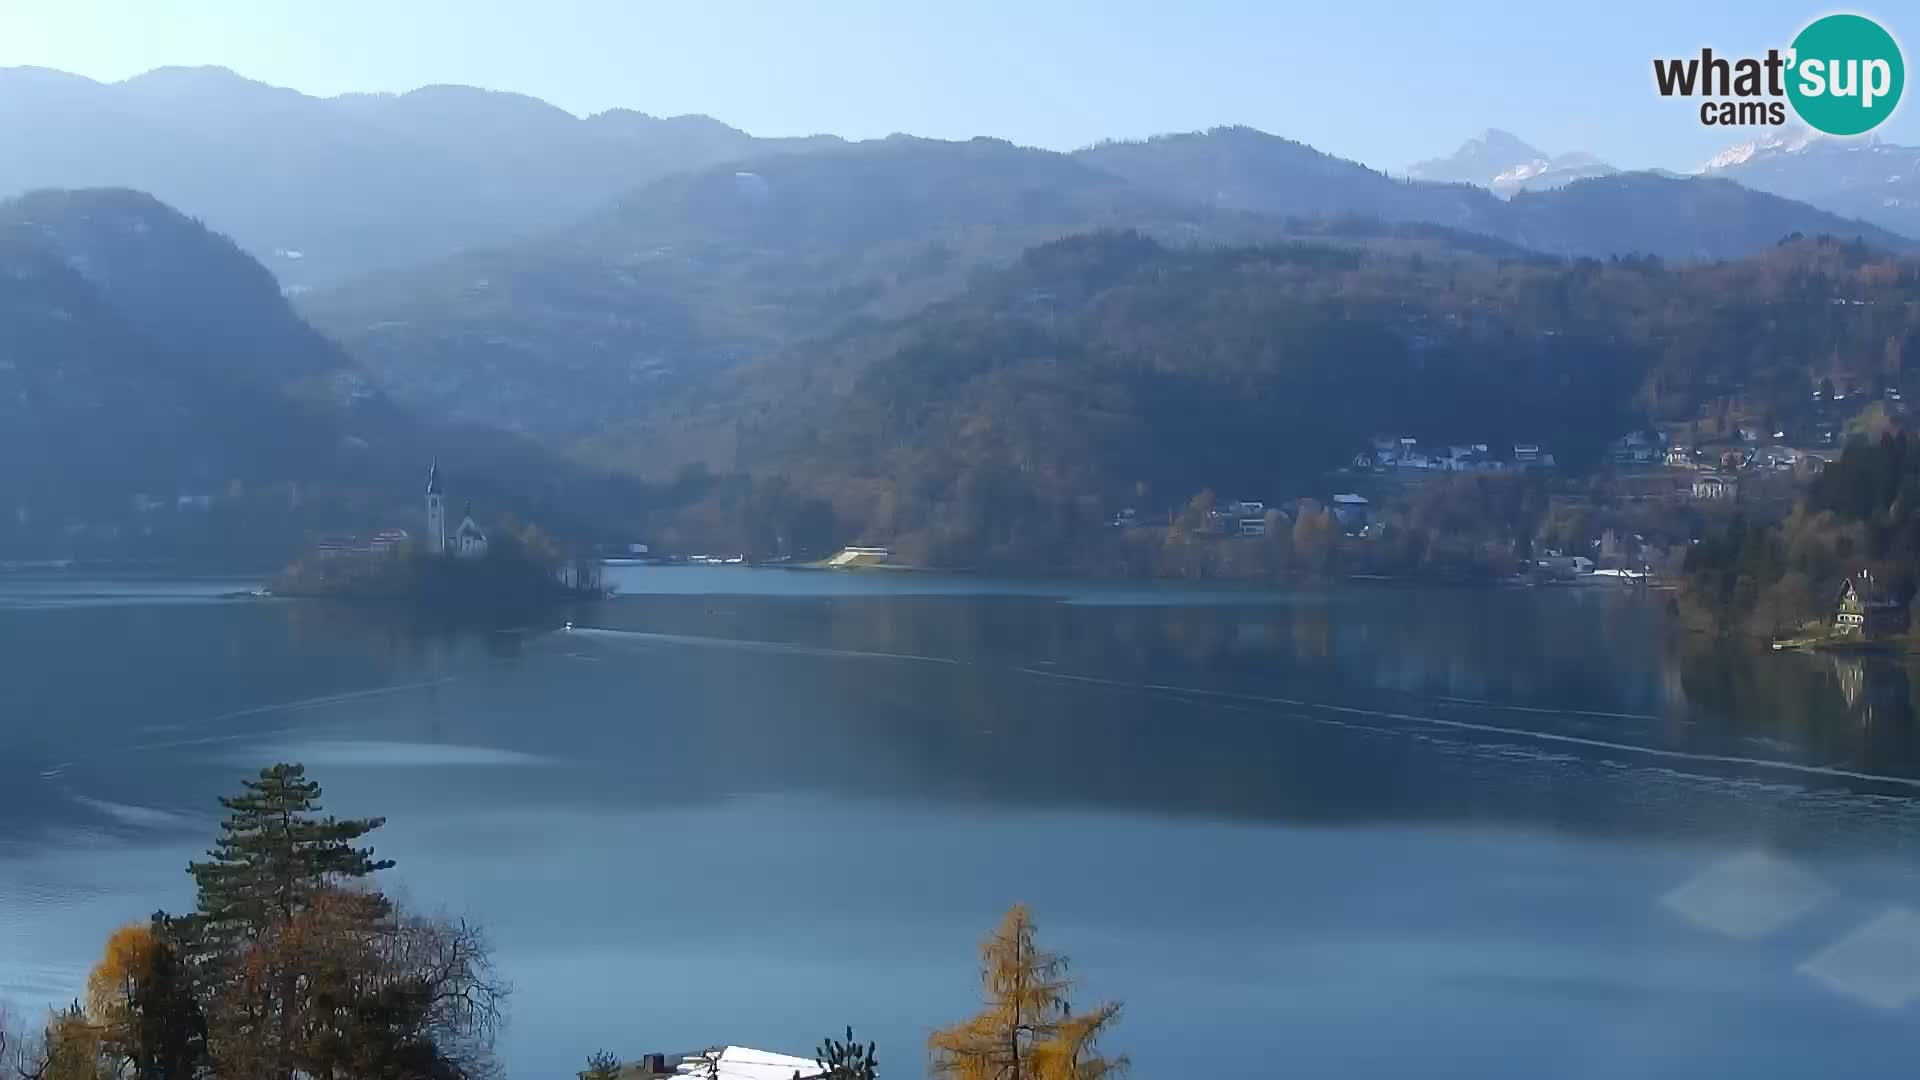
x,y
512,570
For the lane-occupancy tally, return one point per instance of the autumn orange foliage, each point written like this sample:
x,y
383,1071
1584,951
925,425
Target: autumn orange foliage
x,y
1028,1030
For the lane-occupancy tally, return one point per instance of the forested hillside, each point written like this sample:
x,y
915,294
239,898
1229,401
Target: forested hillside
x,y
1862,514
157,394
680,280
696,272
1110,371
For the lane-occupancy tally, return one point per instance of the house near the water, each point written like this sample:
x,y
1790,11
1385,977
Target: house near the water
x,y
1865,610
722,1063
852,557
1715,486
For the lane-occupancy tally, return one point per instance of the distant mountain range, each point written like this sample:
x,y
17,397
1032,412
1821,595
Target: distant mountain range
x,y
1500,161
323,189
1867,179
1862,178
648,294
696,272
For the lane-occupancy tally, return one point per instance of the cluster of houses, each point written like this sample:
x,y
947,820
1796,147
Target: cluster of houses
x,y
1394,454
1775,458
1717,469
1248,517
340,544
1615,556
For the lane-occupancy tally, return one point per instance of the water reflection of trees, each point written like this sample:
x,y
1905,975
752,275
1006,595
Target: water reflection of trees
x,y
996,725
1849,710
1000,727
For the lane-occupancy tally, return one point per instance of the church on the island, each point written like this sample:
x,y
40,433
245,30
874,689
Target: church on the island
x,y
469,541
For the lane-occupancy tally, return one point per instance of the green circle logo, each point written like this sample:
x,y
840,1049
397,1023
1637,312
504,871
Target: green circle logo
x,y
1846,75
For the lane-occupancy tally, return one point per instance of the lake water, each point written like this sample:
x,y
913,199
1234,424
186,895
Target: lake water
x,y
1370,832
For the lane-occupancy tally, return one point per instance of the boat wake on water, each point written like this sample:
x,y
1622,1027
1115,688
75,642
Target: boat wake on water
x,y
749,645
1534,734
1316,711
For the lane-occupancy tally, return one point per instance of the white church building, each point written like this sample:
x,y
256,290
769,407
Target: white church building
x,y
469,541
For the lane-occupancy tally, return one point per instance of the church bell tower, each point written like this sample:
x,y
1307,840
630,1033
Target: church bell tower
x,y
436,512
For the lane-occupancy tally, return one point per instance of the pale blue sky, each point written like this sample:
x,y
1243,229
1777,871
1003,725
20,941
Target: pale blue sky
x,y
1385,83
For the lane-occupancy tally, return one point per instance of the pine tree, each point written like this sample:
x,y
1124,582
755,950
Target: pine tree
x,y
602,1065
1028,1031
846,1060
273,857
274,854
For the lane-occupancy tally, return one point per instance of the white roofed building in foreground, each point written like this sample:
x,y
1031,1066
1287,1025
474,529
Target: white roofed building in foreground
x,y
746,1063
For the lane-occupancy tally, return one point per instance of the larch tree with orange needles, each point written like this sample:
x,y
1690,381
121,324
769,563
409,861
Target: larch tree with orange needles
x,y
1028,1030
114,982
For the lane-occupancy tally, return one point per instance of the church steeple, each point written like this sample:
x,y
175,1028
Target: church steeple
x,y
436,511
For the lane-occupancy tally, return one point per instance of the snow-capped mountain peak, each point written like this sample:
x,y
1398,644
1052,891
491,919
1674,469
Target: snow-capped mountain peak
x,y
1788,140
1504,162
1864,178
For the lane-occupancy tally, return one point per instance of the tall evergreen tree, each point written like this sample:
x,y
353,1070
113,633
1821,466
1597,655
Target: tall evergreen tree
x,y
275,853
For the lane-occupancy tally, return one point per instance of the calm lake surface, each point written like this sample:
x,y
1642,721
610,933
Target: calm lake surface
x,y
1370,832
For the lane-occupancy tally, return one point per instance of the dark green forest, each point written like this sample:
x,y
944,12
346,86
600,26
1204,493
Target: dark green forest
x,y
1861,514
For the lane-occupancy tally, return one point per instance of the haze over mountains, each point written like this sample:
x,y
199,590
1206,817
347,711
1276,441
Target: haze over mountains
x,y
1501,161
694,272
324,189
157,390
321,189
1859,178
651,294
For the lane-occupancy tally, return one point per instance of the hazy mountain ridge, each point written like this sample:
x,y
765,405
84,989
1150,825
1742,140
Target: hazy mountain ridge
x,y
1865,178
702,270
156,389
322,189
699,271
1505,164
148,357
678,317
1248,170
